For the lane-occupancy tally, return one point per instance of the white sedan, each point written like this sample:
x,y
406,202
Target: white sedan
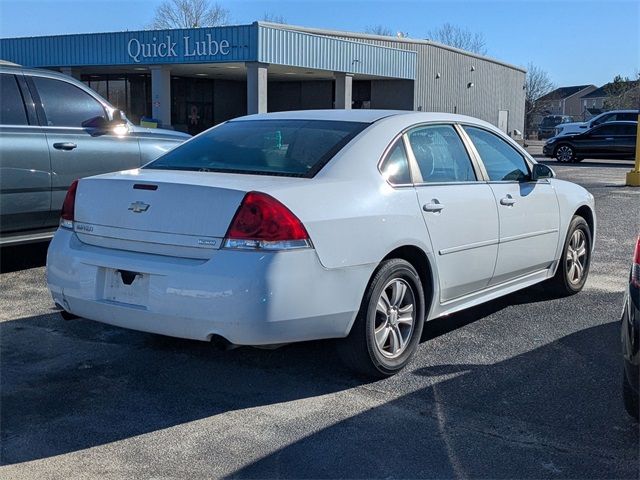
x,y
294,226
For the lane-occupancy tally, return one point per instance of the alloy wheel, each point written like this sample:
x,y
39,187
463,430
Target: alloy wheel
x,y
576,257
395,318
564,154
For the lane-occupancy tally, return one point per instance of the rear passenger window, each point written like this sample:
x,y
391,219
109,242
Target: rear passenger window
x,y
12,110
66,105
440,154
501,160
395,167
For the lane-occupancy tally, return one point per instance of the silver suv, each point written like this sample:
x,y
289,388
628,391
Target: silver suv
x,y
53,130
611,116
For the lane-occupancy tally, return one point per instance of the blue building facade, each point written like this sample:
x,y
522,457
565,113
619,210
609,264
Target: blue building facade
x,y
194,78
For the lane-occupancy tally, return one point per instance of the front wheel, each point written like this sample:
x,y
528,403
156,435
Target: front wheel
x,y
565,153
573,268
387,330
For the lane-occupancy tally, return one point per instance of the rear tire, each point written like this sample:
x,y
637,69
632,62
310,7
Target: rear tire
x,y
573,269
387,330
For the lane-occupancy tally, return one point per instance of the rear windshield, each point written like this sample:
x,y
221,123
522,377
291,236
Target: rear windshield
x,y
298,148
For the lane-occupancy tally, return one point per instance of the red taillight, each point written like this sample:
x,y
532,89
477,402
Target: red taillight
x,y
263,222
68,206
635,268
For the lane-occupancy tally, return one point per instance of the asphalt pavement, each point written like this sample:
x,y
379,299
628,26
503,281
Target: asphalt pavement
x,y
527,386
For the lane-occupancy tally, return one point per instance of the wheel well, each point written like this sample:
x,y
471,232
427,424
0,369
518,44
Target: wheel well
x,y
418,259
586,213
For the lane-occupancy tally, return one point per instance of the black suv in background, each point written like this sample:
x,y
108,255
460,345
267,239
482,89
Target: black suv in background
x,y
612,140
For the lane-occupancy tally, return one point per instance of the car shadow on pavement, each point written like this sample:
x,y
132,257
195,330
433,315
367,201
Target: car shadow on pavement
x,y
443,325
553,412
69,386
22,257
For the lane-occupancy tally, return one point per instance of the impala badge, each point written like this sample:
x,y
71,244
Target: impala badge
x,y
139,207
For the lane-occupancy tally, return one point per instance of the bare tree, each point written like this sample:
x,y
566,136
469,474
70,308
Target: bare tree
x,y
537,85
189,14
459,37
273,18
379,30
622,93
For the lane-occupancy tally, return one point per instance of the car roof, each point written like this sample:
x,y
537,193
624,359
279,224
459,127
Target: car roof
x,y
621,111
618,122
7,67
359,115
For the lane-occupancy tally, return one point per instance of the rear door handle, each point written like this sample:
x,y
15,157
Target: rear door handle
x,y
508,201
64,146
434,206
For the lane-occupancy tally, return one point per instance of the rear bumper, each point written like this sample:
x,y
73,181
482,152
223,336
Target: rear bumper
x,y
249,298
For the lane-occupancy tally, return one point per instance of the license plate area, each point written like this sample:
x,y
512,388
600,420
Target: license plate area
x,y
124,286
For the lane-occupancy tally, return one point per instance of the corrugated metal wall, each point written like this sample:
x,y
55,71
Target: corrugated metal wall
x,y
496,86
289,47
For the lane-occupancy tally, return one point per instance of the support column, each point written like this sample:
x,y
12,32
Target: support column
x,y
256,87
344,84
161,94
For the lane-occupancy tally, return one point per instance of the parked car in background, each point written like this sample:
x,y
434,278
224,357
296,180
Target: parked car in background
x,y
631,336
547,127
294,226
53,130
611,116
611,140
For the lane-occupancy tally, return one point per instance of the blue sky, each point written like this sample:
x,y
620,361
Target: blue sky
x,y
576,42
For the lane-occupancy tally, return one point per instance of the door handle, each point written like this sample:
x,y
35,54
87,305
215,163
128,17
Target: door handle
x,y
64,146
434,206
609,138
507,201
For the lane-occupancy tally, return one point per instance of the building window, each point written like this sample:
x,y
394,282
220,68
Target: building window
x,y
130,93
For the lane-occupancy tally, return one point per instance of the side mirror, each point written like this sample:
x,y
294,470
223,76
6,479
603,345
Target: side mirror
x,y
540,171
98,123
118,117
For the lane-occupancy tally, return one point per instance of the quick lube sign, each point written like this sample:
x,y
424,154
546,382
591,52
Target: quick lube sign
x,y
166,48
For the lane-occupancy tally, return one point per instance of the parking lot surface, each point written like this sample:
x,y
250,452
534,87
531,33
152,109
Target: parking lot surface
x,y
527,386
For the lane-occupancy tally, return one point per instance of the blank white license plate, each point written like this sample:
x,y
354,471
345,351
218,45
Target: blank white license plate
x,y
116,288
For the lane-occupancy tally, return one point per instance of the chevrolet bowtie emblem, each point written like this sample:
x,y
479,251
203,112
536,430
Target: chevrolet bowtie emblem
x,y
139,207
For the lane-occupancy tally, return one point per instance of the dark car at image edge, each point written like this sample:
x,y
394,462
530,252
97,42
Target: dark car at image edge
x,y
630,334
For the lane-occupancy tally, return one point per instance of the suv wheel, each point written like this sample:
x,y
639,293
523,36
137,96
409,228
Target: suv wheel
x,y
565,153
